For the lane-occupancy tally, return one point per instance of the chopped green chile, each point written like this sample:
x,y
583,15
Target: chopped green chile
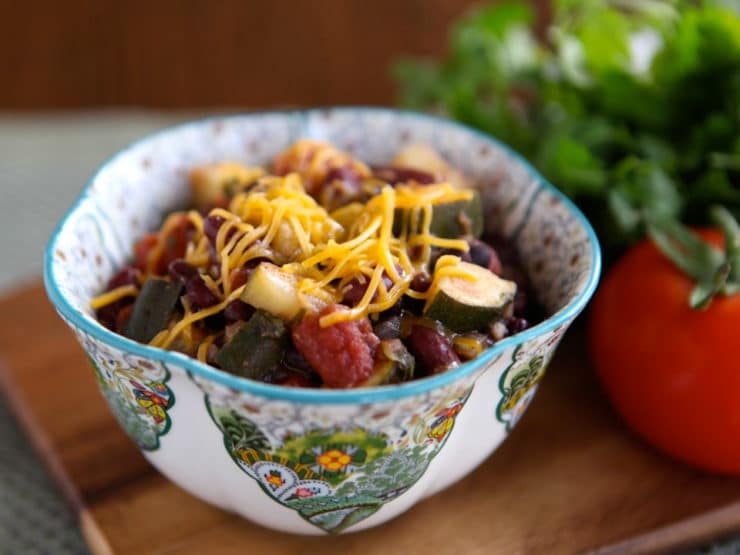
x,y
257,348
394,364
153,309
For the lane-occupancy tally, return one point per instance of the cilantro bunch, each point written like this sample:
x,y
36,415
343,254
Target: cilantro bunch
x,y
631,107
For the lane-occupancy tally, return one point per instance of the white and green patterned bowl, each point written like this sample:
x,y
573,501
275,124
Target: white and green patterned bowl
x,y
314,461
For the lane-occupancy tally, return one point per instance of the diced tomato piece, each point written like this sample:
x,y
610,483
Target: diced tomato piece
x,y
143,248
343,354
174,247
175,244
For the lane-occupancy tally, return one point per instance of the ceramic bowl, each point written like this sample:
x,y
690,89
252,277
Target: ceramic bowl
x,y
314,461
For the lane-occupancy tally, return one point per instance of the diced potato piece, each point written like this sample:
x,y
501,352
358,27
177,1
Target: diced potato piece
x,y
271,289
211,182
285,242
425,158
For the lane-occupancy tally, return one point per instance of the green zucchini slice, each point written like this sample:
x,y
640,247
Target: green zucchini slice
x,y
451,220
394,364
464,305
456,219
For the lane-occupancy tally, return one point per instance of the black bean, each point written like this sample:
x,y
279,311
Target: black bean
x,y
421,282
516,325
484,255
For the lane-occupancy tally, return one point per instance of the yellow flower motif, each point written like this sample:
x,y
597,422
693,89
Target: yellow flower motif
x,y
334,460
275,479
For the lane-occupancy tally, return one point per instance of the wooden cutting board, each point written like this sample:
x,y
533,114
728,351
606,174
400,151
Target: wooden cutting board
x,y
570,479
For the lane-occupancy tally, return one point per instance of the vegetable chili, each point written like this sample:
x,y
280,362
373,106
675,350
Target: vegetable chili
x,y
323,271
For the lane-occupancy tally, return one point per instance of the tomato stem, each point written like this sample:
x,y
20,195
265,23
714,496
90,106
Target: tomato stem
x,y
715,272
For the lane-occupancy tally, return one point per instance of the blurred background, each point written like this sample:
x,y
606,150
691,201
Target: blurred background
x,y
233,53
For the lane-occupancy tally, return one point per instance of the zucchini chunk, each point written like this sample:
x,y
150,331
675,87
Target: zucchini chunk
x,y
463,305
451,219
271,289
455,219
211,183
425,158
257,348
153,309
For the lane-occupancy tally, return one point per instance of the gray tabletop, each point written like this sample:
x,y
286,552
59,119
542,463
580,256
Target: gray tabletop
x,y
44,161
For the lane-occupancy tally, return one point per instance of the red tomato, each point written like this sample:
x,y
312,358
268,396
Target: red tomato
x,y
673,373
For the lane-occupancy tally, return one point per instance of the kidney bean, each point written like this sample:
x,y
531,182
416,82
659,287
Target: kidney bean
x,y
128,275
238,277
238,310
397,174
198,293
356,289
123,316
110,314
484,255
344,173
431,348
211,226
181,271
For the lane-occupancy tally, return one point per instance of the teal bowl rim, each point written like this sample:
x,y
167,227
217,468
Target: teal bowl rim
x,y
323,396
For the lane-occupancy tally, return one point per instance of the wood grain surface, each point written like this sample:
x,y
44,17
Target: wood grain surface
x,y
569,480
234,53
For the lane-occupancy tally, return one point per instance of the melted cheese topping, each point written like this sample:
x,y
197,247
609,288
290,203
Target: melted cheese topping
x,y
278,221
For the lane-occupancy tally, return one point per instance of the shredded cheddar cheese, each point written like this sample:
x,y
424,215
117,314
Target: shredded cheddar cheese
x,y
114,295
380,244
